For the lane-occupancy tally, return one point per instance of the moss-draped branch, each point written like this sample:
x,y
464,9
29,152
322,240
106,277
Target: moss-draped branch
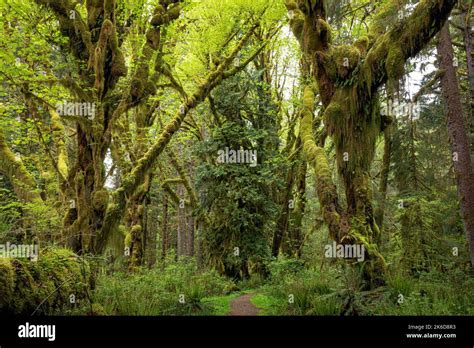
x,y
316,157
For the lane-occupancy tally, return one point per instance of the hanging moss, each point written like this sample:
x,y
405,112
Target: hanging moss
x,y
118,60
116,241
136,230
395,64
354,122
333,115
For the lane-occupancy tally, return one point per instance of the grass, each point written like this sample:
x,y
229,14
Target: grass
x,y
268,305
219,305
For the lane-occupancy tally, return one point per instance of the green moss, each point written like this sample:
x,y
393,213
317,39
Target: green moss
x,y
353,121
153,38
362,44
324,30
128,240
315,36
386,13
395,63
98,309
24,294
136,229
7,282
297,25
100,200
45,285
118,60
157,20
341,61
291,5
333,115
109,7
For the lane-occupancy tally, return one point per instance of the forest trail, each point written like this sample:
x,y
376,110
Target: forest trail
x,y
241,306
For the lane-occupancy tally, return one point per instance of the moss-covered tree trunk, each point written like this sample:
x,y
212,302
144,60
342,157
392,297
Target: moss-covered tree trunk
x,y
296,228
164,228
387,153
467,35
347,79
281,229
182,227
88,199
136,223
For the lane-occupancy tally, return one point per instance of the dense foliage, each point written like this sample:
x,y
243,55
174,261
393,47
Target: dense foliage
x,y
171,155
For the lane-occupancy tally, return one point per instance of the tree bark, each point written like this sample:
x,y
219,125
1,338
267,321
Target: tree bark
x,y
387,153
457,136
190,235
182,230
281,228
296,228
164,228
467,39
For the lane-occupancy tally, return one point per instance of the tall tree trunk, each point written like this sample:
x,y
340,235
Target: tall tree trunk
x,y
164,228
136,222
89,199
152,229
182,231
191,219
387,153
413,166
296,235
457,136
281,229
190,235
467,39
199,256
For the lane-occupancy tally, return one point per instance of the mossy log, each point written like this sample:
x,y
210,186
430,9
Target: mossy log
x,y
45,286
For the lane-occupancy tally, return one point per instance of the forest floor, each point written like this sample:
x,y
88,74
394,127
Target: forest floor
x,y
241,306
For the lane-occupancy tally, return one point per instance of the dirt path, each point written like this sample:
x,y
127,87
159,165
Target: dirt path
x,y
242,306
